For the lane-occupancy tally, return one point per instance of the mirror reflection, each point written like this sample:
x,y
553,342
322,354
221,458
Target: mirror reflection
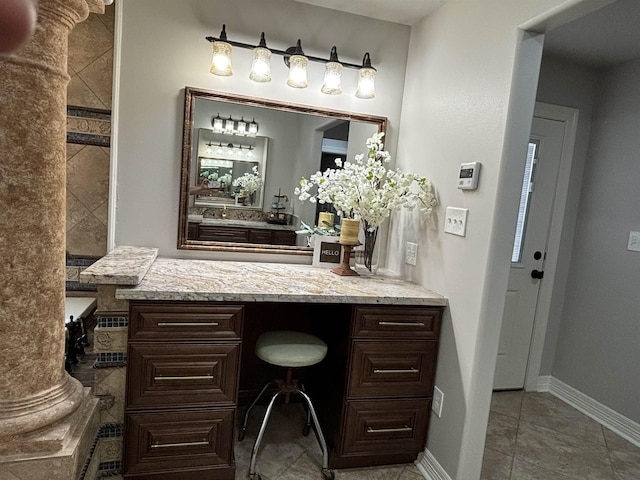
x,y
242,159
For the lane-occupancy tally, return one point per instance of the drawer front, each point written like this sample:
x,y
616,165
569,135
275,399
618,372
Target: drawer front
x,y
284,237
259,236
149,321
422,322
392,368
170,441
222,234
386,426
184,374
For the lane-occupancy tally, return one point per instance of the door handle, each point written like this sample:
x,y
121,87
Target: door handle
x,y
537,274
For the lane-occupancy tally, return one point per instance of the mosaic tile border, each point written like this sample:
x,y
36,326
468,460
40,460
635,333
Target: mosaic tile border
x,y
110,360
88,126
109,469
112,321
75,265
108,430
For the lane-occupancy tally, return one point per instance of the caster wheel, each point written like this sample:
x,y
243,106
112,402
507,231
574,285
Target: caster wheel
x,y
241,434
328,474
306,430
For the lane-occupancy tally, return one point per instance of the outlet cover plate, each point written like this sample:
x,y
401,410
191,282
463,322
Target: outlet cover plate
x,y
455,221
438,400
411,258
634,242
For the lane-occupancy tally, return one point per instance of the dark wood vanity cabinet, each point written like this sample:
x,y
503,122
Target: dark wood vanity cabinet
x,y
372,393
236,234
181,390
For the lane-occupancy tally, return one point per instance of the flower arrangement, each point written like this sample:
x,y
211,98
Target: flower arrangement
x,y
225,179
367,190
251,182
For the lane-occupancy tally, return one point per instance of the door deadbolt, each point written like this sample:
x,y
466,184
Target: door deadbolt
x,y
537,255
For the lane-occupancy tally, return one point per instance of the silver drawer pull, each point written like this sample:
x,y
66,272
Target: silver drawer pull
x,y
185,377
401,324
182,444
188,324
389,430
399,370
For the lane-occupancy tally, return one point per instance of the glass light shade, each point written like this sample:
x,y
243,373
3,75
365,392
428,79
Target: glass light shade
x,y
250,152
241,128
218,124
366,83
261,66
221,60
230,149
209,150
298,71
219,151
253,128
229,125
332,79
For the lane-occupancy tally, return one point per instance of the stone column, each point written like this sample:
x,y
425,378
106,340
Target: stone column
x,y
35,390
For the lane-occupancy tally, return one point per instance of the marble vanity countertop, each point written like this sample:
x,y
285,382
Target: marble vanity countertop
x,y
207,280
225,222
121,266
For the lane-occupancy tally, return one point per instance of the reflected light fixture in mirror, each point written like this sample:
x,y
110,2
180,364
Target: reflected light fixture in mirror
x,y
221,60
261,65
297,62
333,75
366,79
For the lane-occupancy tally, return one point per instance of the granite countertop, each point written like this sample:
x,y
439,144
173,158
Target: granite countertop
x,y
208,280
226,222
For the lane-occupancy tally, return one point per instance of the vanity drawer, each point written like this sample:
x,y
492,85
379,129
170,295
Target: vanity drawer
x,y
392,368
184,374
284,237
179,444
149,321
260,236
386,426
414,322
211,233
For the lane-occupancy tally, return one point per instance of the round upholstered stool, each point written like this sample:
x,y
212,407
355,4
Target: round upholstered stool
x,y
290,350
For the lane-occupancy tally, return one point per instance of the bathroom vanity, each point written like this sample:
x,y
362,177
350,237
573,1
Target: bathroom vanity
x,y
192,331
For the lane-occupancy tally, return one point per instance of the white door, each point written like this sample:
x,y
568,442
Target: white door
x,y
529,251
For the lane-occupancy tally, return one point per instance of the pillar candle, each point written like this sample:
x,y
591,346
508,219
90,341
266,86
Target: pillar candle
x,y
349,229
325,219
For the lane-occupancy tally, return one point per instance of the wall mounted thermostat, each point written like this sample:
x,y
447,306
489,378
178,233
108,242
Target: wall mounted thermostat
x,y
468,178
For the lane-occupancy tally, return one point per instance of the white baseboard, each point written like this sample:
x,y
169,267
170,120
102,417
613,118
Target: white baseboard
x,y
614,421
430,468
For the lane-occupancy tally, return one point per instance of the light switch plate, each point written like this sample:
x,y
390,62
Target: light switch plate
x,y
411,257
634,242
455,221
438,400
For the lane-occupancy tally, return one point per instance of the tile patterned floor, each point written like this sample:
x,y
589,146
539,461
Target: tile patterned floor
x,y
535,436
285,454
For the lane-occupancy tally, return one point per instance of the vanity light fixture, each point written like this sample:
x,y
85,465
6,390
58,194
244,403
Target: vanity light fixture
x,y
261,65
230,149
332,75
297,61
297,67
221,60
366,79
250,152
209,150
234,127
219,150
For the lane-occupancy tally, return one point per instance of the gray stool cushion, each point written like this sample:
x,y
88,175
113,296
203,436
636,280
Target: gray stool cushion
x,y
290,349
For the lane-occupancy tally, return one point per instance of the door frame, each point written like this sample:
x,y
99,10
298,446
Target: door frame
x,y
569,116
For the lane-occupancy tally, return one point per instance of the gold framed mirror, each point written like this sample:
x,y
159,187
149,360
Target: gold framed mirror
x,y
243,156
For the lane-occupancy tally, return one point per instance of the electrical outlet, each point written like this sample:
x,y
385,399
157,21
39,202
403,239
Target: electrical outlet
x,y
411,257
634,242
438,400
455,221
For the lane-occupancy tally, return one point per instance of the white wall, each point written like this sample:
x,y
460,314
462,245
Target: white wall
x,y
569,85
468,97
163,49
597,349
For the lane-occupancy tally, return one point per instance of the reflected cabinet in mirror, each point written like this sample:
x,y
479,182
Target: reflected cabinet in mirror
x,y
242,157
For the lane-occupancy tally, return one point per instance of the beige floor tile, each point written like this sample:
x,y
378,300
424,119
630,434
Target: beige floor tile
x,y
501,433
527,471
626,466
616,442
550,412
507,403
562,453
379,473
496,465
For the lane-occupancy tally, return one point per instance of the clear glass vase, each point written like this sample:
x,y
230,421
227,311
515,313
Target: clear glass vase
x,y
367,255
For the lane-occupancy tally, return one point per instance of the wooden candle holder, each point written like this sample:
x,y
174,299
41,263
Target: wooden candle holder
x,y
344,269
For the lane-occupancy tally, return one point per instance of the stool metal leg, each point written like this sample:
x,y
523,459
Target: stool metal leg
x,y
254,451
328,474
307,426
243,429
